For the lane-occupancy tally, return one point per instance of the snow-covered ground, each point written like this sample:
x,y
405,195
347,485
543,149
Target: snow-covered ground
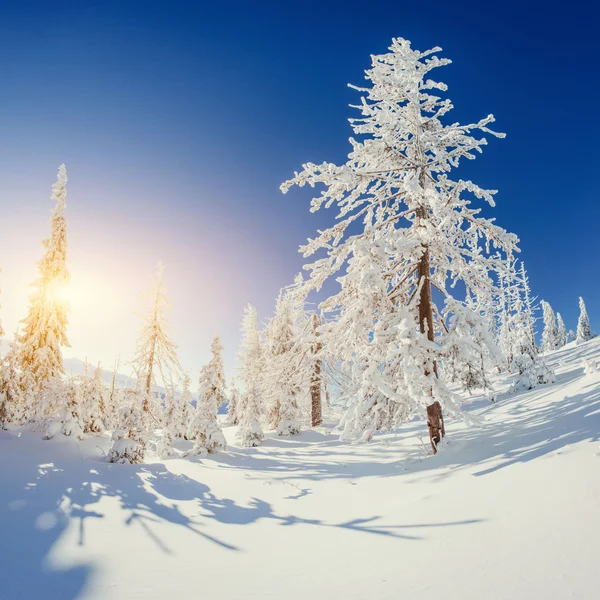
x,y
509,510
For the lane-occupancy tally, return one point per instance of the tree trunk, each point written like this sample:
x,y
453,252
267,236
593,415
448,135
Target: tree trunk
x,y
435,419
315,386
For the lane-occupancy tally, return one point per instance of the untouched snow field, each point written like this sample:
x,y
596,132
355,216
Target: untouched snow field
x,y
509,510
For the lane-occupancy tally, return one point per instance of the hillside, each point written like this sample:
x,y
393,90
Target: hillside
x,y
508,510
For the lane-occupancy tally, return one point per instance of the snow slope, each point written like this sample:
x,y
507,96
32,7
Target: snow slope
x,y
505,511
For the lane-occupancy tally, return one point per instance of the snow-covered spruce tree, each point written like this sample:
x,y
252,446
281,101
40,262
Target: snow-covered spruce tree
x,y
505,335
45,327
205,429
584,329
170,420
233,404
529,306
130,440
96,417
529,366
250,432
113,399
417,228
13,407
282,373
69,416
187,410
550,333
466,343
156,352
515,315
562,336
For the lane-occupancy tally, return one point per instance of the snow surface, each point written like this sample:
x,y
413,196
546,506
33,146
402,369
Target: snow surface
x,y
509,510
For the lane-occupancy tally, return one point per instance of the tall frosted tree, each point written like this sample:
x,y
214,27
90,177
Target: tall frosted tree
x,y
233,405
584,329
250,432
282,372
205,428
45,327
550,332
414,227
529,304
562,337
155,353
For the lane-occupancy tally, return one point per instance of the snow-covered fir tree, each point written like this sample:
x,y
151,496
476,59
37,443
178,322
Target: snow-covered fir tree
x,y
467,344
233,404
69,417
187,410
550,332
96,410
205,429
45,327
413,228
130,440
584,329
283,369
12,403
562,337
250,432
505,333
529,367
155,353
515,314
529,307
170,419
516,331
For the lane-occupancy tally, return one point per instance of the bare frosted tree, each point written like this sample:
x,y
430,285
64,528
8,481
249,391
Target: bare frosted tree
x,y
156,352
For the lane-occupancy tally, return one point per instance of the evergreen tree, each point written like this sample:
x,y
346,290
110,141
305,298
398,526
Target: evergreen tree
x,y
14,407
130,440
155,353
205,428
465,345
529,305
283,368
187,410
45,327
413,225
561,333
550,333
529,367
584,330
233,405
250,432
280,391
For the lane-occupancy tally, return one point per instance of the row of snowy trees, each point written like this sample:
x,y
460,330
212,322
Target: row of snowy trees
x,y
431,300
555,336
277,369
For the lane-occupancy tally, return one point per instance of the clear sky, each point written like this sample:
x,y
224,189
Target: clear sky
x,y
178,121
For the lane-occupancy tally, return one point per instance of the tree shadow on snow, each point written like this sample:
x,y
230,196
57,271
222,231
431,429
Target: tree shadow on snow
x,y
44,504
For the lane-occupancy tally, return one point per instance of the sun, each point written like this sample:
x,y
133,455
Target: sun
x,y
67,294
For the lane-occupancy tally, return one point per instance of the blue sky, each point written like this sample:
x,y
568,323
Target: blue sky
x,y
178,121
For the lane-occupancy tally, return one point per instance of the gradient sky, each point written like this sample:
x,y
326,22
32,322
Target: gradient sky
x,y
178,121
